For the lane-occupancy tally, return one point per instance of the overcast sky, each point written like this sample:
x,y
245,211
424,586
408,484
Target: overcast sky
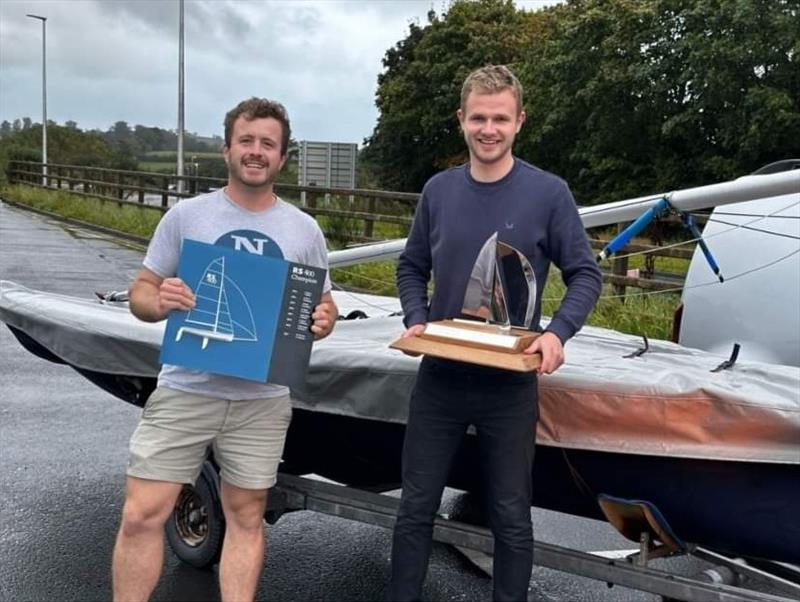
x,y
117,60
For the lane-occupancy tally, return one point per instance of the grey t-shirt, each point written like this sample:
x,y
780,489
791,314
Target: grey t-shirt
x,y
281,231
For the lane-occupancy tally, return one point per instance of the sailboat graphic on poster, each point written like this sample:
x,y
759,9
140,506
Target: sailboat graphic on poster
x,y
211,317
251,317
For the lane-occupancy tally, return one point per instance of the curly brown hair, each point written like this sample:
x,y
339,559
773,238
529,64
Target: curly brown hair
x,y
259,108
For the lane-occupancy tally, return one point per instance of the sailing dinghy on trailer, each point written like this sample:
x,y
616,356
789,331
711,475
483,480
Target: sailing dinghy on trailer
x,y
659,426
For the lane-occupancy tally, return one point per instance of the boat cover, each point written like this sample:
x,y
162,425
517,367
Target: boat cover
x,y
665,402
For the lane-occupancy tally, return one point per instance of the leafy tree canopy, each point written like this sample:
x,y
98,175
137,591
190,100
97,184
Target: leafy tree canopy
x,y
623,97
65,145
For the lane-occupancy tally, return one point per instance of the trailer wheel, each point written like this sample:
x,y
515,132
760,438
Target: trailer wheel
x,y
196,528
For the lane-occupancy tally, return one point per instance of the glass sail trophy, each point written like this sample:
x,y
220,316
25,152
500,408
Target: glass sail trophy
x,y
502,287
501,300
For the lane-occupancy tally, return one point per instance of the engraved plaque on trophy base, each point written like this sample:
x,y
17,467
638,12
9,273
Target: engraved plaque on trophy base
x,y
475,343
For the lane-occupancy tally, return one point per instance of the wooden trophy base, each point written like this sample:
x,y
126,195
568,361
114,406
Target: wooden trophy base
x,y
475,343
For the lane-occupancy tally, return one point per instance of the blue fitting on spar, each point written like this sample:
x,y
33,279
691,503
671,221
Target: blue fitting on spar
x,y
657,211
661,208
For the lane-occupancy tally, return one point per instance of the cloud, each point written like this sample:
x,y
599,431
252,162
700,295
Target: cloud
x,y
112,60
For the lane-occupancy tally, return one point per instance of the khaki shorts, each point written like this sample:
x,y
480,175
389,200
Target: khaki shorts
x,y
176,428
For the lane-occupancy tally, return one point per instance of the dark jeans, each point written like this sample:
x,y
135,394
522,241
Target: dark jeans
x,y
502,405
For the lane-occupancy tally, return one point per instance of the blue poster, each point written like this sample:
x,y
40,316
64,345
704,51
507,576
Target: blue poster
x,y
252,316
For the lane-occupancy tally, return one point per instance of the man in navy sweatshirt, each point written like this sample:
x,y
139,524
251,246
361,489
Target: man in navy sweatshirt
x,y
534,212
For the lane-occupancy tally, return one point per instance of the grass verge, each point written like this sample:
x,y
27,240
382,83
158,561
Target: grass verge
x,y
140,221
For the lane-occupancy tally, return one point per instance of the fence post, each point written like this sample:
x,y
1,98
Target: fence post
x,y
140,184
120,190
369,223
165,193
620,268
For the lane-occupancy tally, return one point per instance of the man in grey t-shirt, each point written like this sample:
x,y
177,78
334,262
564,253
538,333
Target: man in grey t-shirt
x,y
244,422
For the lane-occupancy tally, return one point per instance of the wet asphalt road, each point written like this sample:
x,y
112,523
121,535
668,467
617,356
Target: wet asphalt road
x,y
63,452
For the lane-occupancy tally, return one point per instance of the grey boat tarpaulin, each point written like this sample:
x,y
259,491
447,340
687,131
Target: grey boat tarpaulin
x,y
666,402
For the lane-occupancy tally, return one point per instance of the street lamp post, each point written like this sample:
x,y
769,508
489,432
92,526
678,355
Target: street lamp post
x,y
179,166
44,95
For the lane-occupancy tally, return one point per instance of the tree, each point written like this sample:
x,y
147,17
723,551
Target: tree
x,y
623,97
121,138
588,112
631,97
153,138
26,123
417,132
5,128
67,146
119,131
737,68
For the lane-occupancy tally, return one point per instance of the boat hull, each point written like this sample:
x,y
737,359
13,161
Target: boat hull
x,y
740,508
717,453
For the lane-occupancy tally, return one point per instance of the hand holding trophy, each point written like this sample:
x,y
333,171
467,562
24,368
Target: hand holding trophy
x,y
501,295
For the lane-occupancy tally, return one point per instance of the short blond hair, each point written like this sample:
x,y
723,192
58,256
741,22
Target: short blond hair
x,y
490,80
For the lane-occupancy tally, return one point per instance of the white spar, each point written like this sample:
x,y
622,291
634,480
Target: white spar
x,y
746,188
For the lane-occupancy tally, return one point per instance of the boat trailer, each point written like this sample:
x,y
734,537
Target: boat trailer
x,y
196,528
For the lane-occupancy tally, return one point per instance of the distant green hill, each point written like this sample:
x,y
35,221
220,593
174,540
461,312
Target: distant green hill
x,y
170,155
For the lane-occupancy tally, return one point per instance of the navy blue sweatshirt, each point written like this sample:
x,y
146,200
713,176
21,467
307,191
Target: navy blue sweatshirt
x,y
530,209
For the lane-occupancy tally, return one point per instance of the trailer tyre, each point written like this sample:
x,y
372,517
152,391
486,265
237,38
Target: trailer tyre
x,y
196,527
